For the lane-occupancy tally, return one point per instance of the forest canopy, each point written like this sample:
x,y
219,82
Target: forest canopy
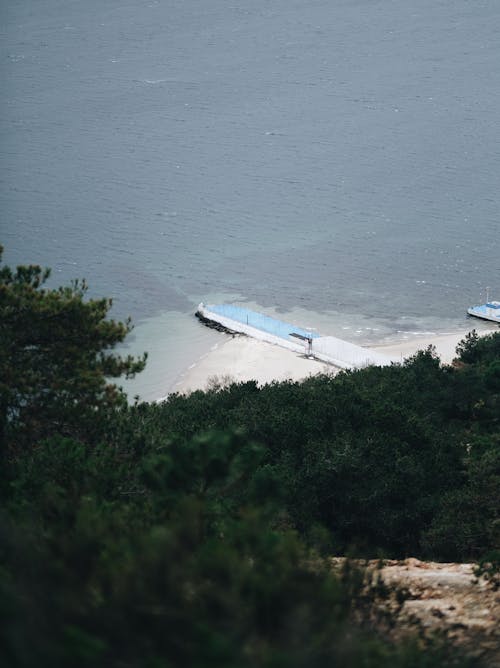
x,y
196,532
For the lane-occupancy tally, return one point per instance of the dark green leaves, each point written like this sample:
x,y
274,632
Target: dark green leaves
x,y
54,358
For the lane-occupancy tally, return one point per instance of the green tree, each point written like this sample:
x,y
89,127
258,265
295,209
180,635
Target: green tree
x,y
95,572
475,349
55,358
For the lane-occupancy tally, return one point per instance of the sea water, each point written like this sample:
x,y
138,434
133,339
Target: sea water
x,y
332,162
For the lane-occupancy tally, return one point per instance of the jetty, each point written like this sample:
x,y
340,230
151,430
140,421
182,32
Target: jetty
x,y
329,349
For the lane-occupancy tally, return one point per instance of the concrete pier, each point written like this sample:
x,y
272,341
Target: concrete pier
x,y
329,349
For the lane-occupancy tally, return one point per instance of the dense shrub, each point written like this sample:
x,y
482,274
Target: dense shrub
x,y
193,533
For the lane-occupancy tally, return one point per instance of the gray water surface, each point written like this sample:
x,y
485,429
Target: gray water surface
x,y
338,159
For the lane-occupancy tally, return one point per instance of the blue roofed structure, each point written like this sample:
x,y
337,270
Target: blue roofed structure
x,y
329,349
264,323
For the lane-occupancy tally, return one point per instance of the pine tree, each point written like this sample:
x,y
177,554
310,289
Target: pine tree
x,y
55,358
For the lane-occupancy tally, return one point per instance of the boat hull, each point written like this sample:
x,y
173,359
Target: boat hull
x,y
489,311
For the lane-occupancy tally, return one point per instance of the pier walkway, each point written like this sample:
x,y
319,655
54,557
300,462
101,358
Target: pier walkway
x,y
327,349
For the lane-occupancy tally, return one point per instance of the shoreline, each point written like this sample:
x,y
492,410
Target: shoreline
x,y
241,358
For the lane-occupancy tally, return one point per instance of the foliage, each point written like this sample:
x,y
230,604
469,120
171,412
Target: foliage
x,y
377,460
475,349
489,567
54,357
97,576
195,532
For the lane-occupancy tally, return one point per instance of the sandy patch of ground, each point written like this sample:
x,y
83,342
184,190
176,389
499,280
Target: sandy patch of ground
x,y
240,358
429,599
445,345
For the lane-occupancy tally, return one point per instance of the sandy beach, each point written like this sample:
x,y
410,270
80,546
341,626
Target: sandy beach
x,y
240,358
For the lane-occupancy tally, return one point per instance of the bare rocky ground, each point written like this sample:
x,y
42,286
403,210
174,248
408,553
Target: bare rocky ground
x,y
431,599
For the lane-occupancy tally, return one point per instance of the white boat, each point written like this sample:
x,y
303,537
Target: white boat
x,y
488,311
